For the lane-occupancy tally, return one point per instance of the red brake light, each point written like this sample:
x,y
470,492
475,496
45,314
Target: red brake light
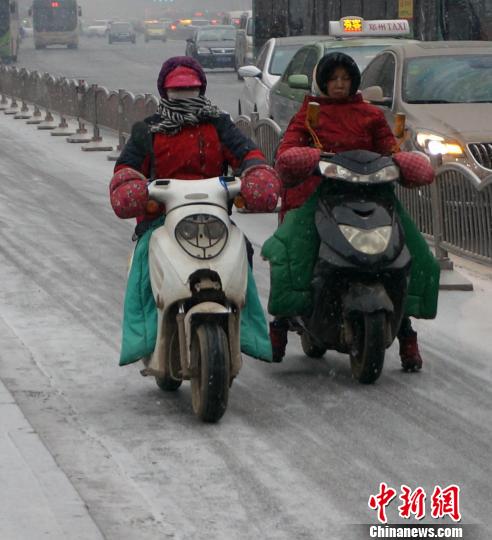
x,y
55,4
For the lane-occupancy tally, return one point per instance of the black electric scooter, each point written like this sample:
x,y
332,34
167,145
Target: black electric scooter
x,y
361,277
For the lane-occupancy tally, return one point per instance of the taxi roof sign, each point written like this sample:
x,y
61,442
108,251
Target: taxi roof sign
x,y
357,26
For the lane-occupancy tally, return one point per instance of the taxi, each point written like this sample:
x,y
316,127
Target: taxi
x,y
359,38
443,90
154,29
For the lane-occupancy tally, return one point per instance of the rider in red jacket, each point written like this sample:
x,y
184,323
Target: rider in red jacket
x,y
345,122
187,138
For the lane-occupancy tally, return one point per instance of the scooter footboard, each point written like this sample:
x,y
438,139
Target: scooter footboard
x,y
226,317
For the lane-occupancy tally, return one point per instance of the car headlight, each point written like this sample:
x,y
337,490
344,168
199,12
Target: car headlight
x,y
434,144
387,174
203,50
202,236
368,241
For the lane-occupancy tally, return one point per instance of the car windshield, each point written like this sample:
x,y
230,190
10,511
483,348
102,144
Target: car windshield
x,y
200,23
217,34
362,54
120,27
448,79
281,57
155,25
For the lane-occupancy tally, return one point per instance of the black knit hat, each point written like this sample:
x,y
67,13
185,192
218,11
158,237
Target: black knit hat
x,y
327,66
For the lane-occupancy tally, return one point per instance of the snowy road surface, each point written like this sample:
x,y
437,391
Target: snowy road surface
x,y
301,447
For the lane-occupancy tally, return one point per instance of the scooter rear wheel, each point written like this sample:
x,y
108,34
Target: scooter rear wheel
x,y
368,347
210,362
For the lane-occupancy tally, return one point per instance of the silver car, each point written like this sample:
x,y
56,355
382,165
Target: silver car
x,y
272,60
444,89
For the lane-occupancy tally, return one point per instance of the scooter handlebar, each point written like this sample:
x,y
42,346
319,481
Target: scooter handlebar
x,y
161,188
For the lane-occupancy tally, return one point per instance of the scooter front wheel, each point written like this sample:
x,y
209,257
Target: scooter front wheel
x,y
210,363
368,346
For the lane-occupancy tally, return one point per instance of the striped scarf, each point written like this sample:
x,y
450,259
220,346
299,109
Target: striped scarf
x,y
176,113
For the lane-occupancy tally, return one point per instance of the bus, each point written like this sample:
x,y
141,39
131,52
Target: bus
x,y
9,31
55,22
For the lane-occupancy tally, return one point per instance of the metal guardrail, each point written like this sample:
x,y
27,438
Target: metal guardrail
x,y
265,133
94,104
455,211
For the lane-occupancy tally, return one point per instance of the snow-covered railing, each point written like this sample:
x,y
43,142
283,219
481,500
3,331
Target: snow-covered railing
x,y
455,211
265,132
93,104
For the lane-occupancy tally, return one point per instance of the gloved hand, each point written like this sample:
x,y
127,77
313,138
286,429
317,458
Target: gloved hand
x,y
415,169
296,164
260,188
128,193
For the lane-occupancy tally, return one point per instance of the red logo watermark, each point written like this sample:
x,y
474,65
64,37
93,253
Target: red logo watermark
x,y
443,502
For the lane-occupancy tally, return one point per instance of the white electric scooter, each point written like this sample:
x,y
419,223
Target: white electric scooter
x,y
198,271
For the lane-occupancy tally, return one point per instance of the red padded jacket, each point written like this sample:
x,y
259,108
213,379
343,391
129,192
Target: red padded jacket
x,y
351,124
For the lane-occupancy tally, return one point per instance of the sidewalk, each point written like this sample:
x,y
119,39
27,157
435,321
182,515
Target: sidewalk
x,y
37,500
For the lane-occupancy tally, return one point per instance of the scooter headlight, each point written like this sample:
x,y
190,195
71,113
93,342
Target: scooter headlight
x,y
202,236
368,241
389,173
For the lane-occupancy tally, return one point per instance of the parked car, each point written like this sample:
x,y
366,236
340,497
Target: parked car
x,y
288,92
213,46
444,89
259,78
99,28
154,29
244,41
121,31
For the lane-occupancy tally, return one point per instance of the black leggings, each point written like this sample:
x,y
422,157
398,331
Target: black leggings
x,y
406,329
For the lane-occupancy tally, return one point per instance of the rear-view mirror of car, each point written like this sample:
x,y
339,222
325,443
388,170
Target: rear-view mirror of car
x,y
300,82
374,94
249,71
